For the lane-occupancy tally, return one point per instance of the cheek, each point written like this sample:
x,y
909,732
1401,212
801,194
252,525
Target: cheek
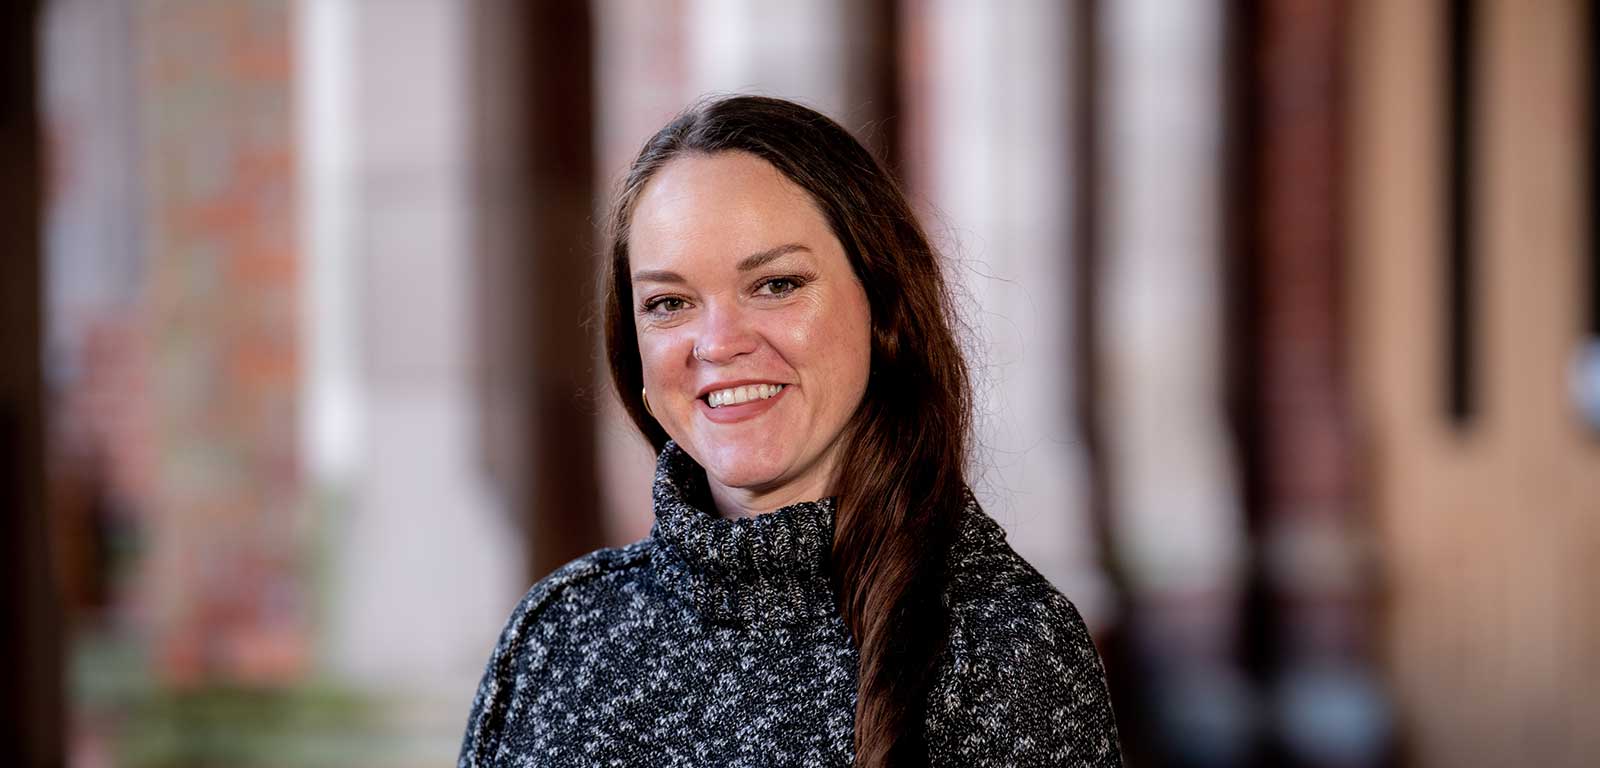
x,y
855,337
834,341
655,353
854,317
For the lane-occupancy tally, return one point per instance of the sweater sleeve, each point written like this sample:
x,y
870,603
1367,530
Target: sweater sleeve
x,y
1023,686
520,648
486,718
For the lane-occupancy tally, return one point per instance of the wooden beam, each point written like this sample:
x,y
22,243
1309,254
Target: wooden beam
x,y
31,714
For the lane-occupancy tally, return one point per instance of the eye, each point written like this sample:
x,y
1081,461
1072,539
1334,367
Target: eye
x,y
664,305
780,286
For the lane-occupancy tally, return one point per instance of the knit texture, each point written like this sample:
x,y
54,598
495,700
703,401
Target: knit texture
x,y
717,642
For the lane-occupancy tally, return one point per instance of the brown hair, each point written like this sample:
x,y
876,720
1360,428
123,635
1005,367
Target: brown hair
x,y
901,482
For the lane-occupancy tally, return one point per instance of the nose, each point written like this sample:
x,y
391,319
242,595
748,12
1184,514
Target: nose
x,y
726,334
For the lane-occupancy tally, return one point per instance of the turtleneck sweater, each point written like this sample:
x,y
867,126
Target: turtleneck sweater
x,y
718,642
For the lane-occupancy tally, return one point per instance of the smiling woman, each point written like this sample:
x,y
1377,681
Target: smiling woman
x,y
820,587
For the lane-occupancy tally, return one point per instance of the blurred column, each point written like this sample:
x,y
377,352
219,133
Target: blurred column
x,y
31,709
1179,527
99,407
425,564
220,585
835,56
534,214
1293,396
991,104
654,59
1490,524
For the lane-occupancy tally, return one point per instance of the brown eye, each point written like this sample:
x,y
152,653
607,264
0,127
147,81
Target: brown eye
x,y
779,286
664,305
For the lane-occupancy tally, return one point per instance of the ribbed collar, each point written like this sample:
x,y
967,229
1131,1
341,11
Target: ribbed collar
x,y
764,570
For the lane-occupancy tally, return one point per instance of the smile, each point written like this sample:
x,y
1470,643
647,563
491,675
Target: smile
x,y
739,404
744,394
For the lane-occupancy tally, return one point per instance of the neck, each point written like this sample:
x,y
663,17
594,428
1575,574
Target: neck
x,y
767,570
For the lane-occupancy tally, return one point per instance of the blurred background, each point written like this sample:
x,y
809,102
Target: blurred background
x,y
1286,318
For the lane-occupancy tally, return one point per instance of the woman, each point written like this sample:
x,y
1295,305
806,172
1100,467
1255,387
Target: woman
x,y
820,587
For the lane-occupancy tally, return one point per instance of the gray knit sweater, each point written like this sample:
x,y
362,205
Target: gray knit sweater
x,y
717,642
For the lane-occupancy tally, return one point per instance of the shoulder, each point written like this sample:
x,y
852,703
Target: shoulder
x,y
573,580
575,583
1021,681
1000,604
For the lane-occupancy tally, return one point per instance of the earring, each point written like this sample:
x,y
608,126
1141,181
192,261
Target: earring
x,y
645,395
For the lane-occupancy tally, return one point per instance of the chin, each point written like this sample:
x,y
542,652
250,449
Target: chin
x,y
740,466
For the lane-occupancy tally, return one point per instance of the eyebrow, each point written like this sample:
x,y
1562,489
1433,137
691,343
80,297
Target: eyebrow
x,y
754,261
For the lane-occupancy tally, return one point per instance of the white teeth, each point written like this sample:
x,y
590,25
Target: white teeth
x,y
744,394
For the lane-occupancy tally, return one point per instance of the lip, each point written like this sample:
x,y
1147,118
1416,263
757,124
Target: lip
x,y
729,414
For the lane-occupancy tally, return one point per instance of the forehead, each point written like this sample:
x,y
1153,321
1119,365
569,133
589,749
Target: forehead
x,y
720,207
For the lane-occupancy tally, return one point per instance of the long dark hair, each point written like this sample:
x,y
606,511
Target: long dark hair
x,y
901,482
